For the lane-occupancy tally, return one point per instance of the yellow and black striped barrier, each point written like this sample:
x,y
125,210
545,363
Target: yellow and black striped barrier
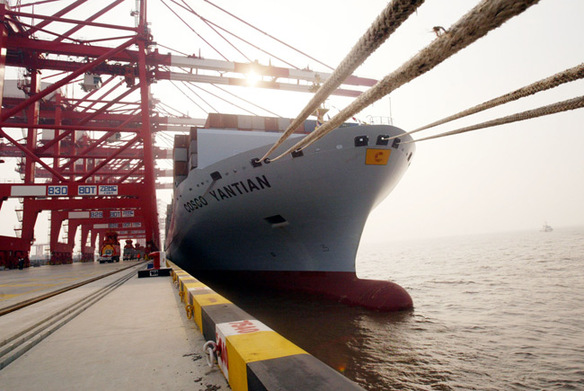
x,y
251,356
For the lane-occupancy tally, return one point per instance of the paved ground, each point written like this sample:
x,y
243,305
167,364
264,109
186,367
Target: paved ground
x,y
19,285
136,338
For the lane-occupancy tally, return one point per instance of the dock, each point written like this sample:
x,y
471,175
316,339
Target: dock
x,y
125,332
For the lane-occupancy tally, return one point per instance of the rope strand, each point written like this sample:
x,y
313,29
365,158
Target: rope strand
x,y
394,14
570,104
560,78
486,16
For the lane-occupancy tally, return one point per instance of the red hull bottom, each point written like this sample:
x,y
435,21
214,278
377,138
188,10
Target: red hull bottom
x,y
344,287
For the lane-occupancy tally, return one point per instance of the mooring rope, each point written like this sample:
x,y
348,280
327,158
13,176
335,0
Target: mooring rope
x,y
560,78
566,105
394,14
486,16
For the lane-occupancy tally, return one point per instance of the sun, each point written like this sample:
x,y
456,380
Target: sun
x,y
253,78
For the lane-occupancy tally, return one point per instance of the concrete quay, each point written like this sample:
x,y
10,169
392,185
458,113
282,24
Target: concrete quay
x,y
135,338
252,356
154,333
17,286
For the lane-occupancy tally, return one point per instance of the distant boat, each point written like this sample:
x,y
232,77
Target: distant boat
x,y
546,227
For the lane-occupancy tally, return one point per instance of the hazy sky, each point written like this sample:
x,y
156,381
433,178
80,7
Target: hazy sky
x,y
512,177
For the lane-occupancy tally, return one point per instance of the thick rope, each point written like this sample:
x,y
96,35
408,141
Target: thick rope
x,y
386,23
560,78
486,16
570,104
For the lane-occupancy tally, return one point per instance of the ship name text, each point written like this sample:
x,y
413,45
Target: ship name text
x,y
229,191
240,187
196,203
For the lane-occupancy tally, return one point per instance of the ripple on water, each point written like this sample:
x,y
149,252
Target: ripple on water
x,y
497,312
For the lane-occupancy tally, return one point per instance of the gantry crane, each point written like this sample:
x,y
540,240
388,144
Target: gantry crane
x,y
90,160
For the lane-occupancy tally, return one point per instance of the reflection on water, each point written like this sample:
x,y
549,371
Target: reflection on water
x,y
491,313
326,329
368,347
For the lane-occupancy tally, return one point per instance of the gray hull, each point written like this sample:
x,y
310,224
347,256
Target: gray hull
x,y
302,213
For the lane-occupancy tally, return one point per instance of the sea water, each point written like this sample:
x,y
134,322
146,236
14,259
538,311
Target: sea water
x,y
492,312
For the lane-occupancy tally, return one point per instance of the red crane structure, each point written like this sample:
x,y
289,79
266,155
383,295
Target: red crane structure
x,y
90,159
96,183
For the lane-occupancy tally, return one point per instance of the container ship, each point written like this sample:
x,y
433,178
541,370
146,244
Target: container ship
x,y
292,224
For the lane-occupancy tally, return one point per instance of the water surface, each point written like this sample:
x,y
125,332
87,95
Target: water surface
x,y
492,312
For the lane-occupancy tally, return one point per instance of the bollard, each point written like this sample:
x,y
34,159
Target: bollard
x,y
155,257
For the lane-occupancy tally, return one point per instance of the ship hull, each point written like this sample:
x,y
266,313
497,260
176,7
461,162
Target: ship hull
x,y
299,215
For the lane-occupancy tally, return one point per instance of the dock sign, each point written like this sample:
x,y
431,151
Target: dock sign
x,y
87,190
95,190
108,189
57,190
225,330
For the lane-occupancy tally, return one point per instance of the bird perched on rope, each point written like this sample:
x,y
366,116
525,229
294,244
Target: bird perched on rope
x,y
439,30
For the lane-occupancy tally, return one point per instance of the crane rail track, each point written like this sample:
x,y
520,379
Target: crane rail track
x,y
22,341
26,303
